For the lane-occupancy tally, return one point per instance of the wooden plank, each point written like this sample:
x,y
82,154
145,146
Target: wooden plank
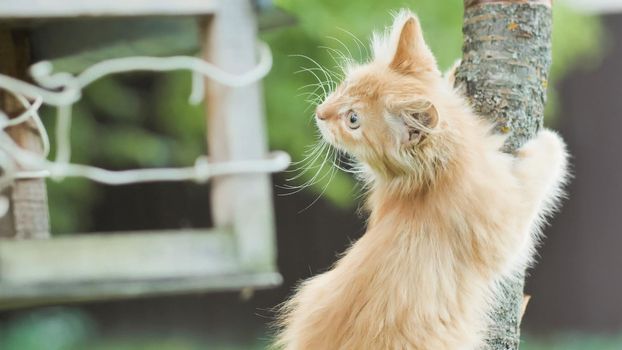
x,y
27,9
96,39
236,130
12,297
93,257
28,212
124,265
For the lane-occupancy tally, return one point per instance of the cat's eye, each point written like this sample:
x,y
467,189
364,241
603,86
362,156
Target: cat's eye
x,y
353,120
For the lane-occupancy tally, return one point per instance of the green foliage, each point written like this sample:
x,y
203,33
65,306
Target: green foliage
x,y
70,200
119,125
174,116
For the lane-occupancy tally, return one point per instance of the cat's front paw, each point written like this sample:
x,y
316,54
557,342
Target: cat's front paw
x,y
542,168
547,149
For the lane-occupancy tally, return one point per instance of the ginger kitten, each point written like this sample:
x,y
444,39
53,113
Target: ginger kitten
x,y
450,213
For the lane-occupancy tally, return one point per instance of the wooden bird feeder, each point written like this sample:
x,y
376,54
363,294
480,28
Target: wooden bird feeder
x,y
239,252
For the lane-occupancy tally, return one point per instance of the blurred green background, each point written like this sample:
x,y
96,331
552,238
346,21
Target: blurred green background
x,y
145,121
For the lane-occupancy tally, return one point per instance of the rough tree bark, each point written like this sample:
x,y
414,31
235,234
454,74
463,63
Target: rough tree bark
x,y
504,71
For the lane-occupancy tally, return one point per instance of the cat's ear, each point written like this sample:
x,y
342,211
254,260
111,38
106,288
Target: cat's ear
x,y
419,124
411,52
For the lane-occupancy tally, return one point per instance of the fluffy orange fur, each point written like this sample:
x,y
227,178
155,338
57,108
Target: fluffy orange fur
x,y
450,213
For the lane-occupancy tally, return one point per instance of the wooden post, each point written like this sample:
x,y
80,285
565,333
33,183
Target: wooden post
x,y
28,213
236,131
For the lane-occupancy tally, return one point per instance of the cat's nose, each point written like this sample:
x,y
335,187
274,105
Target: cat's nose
x,y
321,113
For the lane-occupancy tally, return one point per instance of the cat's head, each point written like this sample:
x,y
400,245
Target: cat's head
x,y
387,113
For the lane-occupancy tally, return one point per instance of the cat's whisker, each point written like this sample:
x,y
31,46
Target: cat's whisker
x,y
308,59
316,87
358,42
311,100
313,93
299,188
342,44
321,83
310,104
305,165
313,103
361,190
313,85
310,182
342,169
340,61
321,68
337,163
331,73
308,164
333,76
332,174
306,155
311,97
338,57
312,152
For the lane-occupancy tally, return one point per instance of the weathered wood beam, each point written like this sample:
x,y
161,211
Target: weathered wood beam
x,y
122,265
28,213
236,131
34,9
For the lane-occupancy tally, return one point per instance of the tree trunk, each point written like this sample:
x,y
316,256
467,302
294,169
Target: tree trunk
x,y
504,71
